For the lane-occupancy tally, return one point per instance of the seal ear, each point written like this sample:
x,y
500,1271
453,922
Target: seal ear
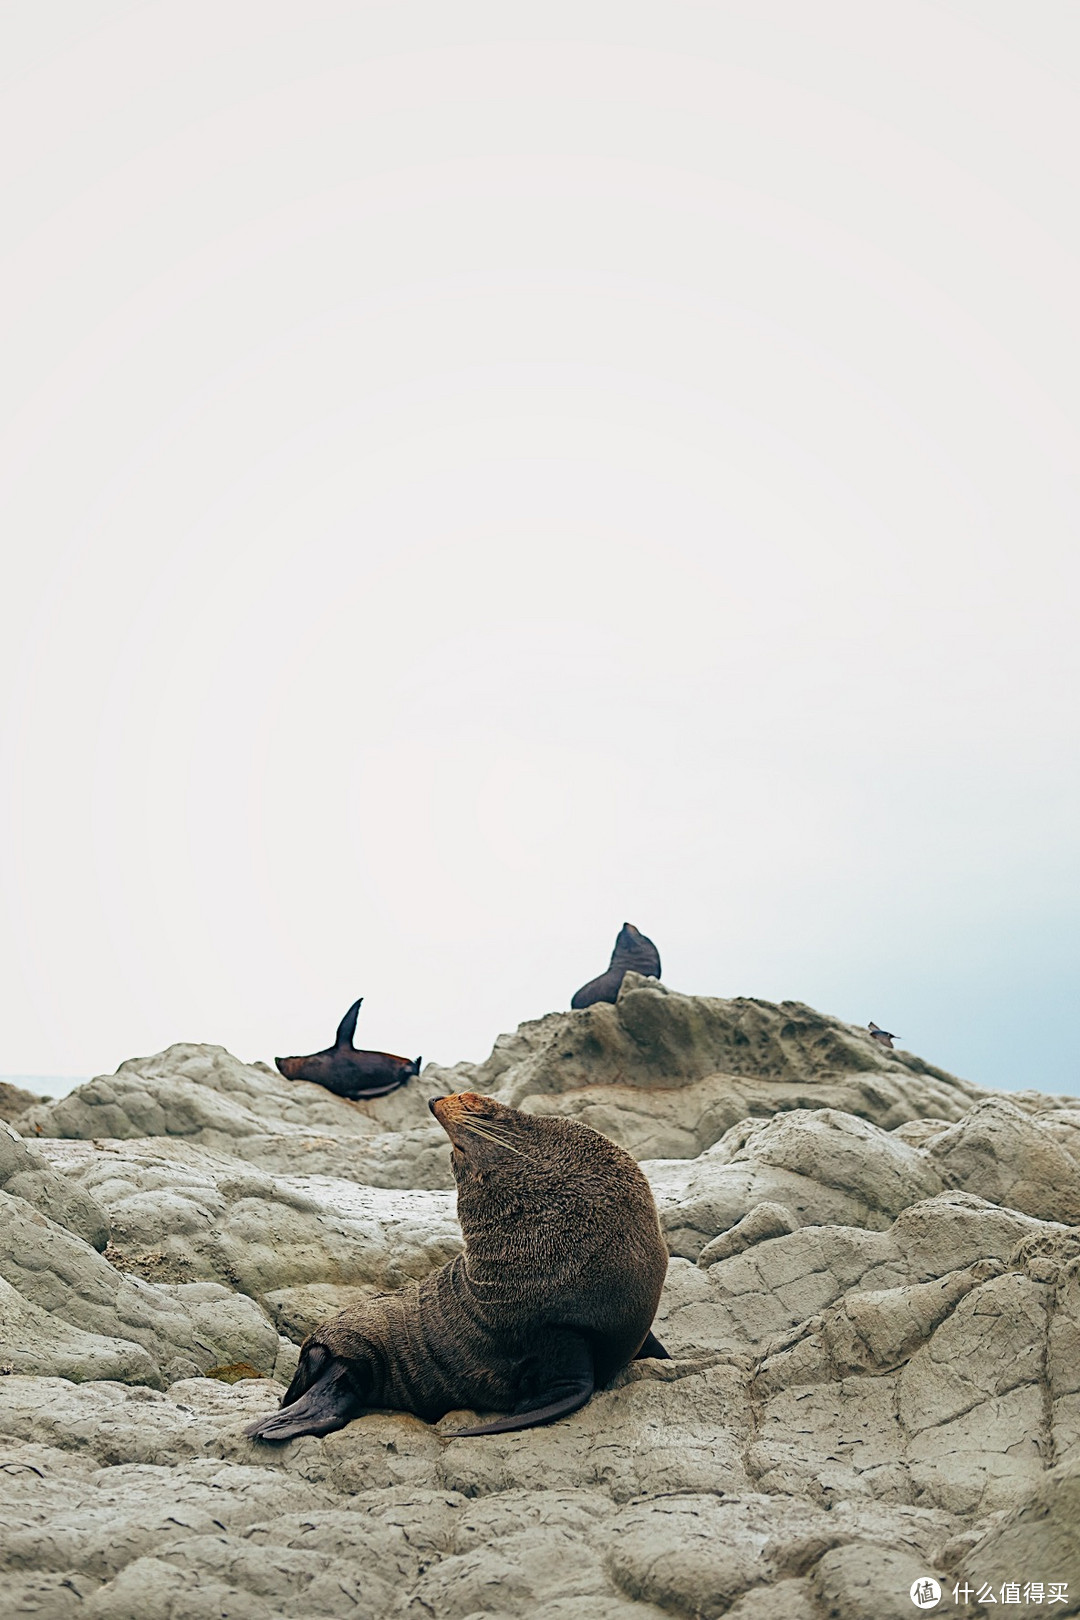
x,y
347,1028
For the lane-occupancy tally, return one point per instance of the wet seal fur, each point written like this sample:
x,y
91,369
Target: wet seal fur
x,y
347,1070
633,953
555,1292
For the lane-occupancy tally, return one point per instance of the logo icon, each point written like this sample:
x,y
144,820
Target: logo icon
x,y
925,1592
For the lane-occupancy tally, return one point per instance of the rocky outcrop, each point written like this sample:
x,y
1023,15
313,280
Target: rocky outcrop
x,y
15,1101
28,1175
873,1308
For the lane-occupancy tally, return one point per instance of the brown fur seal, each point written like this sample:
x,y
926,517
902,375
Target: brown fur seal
x,y
555,1292
347,1071
633,953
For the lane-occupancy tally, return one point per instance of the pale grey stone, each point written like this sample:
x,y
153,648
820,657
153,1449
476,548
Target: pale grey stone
x,y
184,1213
183,1330
1010,1157
14,1100
1039,1540
763,1221
26,1173
860,1580
873,1309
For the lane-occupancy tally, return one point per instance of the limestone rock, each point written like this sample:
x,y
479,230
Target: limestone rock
x,y
26,1173
158,1333
816,1166
36,1341
872,1305
15,1101
180,1213
1041,1534
666,1075
1003,1154
205,1094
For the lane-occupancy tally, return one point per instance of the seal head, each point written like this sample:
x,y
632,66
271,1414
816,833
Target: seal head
x,y
633,953
347,1070
555,1292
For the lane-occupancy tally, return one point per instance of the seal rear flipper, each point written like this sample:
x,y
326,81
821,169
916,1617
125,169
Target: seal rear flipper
x,y
533,1416
324,1395
347,1028
564,1382
653,1349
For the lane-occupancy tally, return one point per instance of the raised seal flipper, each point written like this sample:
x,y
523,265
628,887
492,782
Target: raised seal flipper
x,y
652,1348
347,1028
564,1383
323,1396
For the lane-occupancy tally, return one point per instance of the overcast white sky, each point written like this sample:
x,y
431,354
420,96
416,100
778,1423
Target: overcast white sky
x,y
471,474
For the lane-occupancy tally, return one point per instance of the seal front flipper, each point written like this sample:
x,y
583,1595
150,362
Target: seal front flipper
x,y
652,1349
347,1028
325,1394
562,1382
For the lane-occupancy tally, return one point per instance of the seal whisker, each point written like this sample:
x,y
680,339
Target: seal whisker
x,y
488,1135
493,1136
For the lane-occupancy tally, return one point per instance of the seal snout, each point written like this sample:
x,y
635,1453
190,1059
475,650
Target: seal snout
x,y
456,1109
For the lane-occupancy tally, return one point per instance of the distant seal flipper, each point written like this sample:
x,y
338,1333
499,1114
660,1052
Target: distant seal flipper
x,y
652,1349
347,1028
565,1381
324,1395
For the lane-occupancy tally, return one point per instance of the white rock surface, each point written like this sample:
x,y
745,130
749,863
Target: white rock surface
x,y
873,1304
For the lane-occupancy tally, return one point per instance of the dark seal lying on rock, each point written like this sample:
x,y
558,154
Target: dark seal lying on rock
x,y
348,1071
555,1292
633,953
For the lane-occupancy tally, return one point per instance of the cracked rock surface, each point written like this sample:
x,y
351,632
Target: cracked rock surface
x,y
873,1309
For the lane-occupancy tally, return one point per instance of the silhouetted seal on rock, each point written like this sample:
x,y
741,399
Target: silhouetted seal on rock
x,y
555,1292
346,1070
633,953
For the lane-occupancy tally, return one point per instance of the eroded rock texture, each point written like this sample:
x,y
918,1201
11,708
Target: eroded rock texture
x,y
873,1306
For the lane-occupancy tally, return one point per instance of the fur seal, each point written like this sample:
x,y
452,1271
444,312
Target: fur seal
x,y
555,1292
633,953
346,1070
